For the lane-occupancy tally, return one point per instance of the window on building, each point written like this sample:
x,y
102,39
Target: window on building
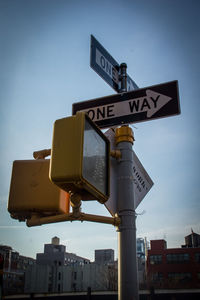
x,y
75,275
198,276
158,276
56,249
155,259
197,257
50,275
59,276
178,258
179,276
50,287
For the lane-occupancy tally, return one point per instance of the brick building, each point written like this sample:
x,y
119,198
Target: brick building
x,y
14,268
174,267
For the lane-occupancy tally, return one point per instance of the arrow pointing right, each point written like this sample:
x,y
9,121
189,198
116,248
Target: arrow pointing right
x,y
150,103
144,104
158,100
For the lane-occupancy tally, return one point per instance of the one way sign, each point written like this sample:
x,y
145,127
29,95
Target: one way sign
x,y
144,104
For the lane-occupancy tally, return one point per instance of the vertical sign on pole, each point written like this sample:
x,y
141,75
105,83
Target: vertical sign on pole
x,y
116,76
127,259
127,255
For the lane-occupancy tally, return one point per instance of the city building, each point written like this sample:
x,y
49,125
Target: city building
x,y
54,270
174,267
140,247
74,278
192,240
56,255
104,256
141,260
14,269
59,271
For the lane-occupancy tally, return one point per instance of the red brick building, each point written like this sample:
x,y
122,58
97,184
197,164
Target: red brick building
x,y
175,267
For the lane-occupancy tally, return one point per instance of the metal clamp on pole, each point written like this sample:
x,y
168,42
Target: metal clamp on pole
x,y
41,154
75,201
123,77
124,134
116,154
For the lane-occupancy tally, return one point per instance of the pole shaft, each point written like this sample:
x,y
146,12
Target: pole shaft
x,y
127,259
123,77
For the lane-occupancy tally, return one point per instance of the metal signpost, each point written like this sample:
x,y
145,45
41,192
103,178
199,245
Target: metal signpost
x,y
116,76
127,254
131,182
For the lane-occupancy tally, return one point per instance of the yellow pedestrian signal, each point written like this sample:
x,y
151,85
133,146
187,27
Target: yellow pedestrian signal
x,y
31,191
80,158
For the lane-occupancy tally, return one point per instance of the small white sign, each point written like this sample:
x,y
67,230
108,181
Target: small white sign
x,y
106,66
142,181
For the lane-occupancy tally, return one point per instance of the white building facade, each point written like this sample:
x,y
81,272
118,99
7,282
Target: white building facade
x,y
58,271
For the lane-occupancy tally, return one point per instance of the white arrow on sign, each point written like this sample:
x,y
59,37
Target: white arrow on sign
x,y
151,103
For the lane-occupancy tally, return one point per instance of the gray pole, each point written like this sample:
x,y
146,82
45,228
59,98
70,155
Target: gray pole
x,y
123,77
127,255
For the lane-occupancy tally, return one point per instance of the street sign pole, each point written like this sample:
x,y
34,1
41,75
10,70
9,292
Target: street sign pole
x,y
136,105
123,77
127,255
127,259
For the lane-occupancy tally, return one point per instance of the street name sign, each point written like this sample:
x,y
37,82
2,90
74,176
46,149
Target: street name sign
x,y
107,67
144,104
142,181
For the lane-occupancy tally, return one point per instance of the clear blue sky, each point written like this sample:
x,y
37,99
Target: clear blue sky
x,y
44,69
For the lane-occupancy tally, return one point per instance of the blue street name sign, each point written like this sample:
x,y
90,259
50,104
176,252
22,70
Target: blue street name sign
x,y
107,67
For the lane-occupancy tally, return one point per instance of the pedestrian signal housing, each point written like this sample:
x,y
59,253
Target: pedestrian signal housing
x,y
80,158
32,192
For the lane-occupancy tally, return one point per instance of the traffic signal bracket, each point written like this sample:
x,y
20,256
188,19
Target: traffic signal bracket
x,y
76,215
